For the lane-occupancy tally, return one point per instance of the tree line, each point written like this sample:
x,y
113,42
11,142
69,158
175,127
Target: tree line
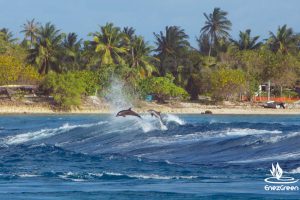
x,y
220,67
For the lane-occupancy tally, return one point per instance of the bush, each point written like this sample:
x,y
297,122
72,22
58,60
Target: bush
x,y
90,81
227,83
66,89
14,71
162,87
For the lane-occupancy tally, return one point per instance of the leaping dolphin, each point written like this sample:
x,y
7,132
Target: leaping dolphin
x,y
155,113
124,113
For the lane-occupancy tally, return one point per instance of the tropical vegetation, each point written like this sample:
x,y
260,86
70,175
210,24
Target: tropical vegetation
x,y
221,66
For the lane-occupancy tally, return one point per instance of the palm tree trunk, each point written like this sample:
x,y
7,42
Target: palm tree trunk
x,y
133,58
210,46
46,67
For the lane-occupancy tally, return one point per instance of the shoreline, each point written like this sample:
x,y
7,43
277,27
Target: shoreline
x,y
177,108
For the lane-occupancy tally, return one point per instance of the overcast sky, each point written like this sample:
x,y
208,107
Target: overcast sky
x,y
148,16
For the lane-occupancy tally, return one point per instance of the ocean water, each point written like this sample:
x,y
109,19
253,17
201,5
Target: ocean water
x,y
104,157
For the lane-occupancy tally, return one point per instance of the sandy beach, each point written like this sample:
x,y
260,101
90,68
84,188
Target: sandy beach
x,y
99,107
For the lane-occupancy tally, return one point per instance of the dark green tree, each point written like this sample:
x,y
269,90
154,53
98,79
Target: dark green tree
x,y
283,41
71,52
216,26
7,35
108,44
246,42
172,46
30,30
47,49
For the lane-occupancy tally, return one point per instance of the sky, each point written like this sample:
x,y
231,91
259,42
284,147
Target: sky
x,y
148,16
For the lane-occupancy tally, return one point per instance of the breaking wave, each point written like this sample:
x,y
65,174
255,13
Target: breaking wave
x,y
179,141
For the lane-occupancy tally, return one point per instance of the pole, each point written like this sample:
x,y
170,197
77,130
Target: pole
x,y
269,90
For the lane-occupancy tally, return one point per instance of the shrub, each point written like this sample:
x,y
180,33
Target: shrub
x,y
162,87
90,81
14,71
66,89
227,83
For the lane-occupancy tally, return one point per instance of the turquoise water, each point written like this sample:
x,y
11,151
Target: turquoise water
x,y
103,157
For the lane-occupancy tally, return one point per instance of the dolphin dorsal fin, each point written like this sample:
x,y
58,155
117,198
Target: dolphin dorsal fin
x,y
129,108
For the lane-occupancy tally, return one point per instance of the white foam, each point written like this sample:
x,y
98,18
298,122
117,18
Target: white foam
x,y
43,133
113,174
295,171
278,138
248,131
160,177
162,126
169,163
270,158
69,175
196,136
28,175
38,145
146,126
173,118
145,176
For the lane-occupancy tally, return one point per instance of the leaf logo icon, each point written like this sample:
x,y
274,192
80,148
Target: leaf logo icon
x,y
276,171
277,177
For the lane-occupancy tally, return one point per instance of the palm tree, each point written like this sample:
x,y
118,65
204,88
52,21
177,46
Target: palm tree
x,y
72,50
246,42
30,29
216,26
108,43
129,38
129,32
46,51
142,59
7,35
172,42
203,44
283,41
171,47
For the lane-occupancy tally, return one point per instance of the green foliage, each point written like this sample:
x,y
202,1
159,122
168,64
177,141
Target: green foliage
x,y
30,29
65,88
163,87
14,71
47,49
222,67
172,47
264,65
107,43
289,93
246,41
11,49
227,83
7,36
216,27
283,41
71,54
90,81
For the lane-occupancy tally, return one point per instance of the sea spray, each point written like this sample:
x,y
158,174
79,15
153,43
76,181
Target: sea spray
x,y
173,118
162,126
117,97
